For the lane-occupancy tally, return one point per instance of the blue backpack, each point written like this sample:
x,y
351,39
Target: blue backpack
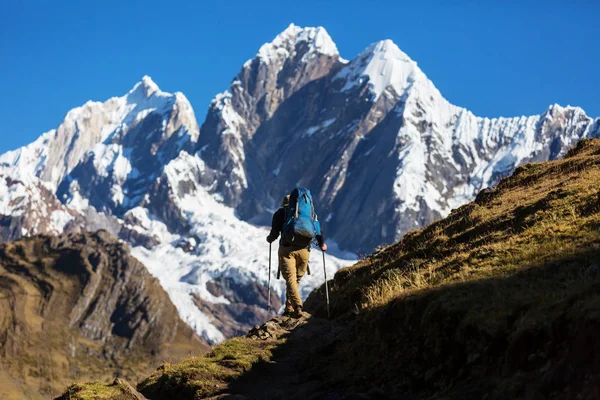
x,y
301,225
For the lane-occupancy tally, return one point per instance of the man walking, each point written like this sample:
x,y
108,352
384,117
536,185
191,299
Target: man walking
x,y
299,227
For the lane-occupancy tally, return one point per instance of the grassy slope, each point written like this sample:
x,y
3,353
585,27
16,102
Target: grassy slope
x,y
201,377
544,213
195,378
118,390
502,296
499,300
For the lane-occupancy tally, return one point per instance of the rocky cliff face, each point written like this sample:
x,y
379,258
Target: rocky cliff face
x,y
373,138
380,148
79,306
280,71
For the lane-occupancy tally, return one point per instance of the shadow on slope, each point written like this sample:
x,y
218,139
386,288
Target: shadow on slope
x,y
530,335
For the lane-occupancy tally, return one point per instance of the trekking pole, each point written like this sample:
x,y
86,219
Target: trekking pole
x,y
326,287
269,292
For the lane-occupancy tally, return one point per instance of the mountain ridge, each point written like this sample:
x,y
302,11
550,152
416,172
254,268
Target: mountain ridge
x,y
475,141
382,151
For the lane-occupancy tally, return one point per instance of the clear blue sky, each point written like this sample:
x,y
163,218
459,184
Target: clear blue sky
x,y
497,58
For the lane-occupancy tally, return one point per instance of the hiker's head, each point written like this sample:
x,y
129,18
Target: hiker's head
x,y
286,201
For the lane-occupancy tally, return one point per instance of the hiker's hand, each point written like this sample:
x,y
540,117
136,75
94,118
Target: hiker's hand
x,y
269,239
324,247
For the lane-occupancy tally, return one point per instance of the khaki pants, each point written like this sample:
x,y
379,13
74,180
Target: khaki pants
x,y
293,263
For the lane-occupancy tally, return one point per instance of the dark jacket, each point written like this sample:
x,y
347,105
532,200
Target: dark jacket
x,y
277,227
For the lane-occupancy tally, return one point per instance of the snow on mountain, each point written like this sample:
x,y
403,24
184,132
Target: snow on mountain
x,y
378,145
115,173
231,132
317,41
54,155
383,65
221,245
292,60
29,208
373,138
139,179
214,244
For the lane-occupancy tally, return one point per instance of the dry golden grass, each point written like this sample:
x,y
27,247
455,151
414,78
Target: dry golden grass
x,y
523,260
545,212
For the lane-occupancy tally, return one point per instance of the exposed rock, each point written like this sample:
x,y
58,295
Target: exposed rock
x,y
79,305
28,207
484,196
381,147
277,327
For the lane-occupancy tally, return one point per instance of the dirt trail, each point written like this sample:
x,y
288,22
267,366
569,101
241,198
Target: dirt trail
x,y
288,374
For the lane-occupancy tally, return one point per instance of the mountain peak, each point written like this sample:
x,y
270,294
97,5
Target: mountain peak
x,y
384,65
148,82
146,87
388,49
284,44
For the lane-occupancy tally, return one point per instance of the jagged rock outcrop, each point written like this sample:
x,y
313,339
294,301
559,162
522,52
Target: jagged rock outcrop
x,y
76,306
281,69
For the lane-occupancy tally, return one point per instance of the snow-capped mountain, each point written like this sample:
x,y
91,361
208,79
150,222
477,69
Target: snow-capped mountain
x,y
383,151
138,177
380,148
28,207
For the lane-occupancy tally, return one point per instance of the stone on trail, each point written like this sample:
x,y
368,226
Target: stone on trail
x,y
277,327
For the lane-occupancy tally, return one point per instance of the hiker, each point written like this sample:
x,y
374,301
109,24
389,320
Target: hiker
x,y
297,222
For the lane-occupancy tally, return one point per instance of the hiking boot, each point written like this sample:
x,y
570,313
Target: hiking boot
x,y
297,313
288,313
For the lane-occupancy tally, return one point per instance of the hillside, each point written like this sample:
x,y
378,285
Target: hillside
x,y
498,301
80,307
